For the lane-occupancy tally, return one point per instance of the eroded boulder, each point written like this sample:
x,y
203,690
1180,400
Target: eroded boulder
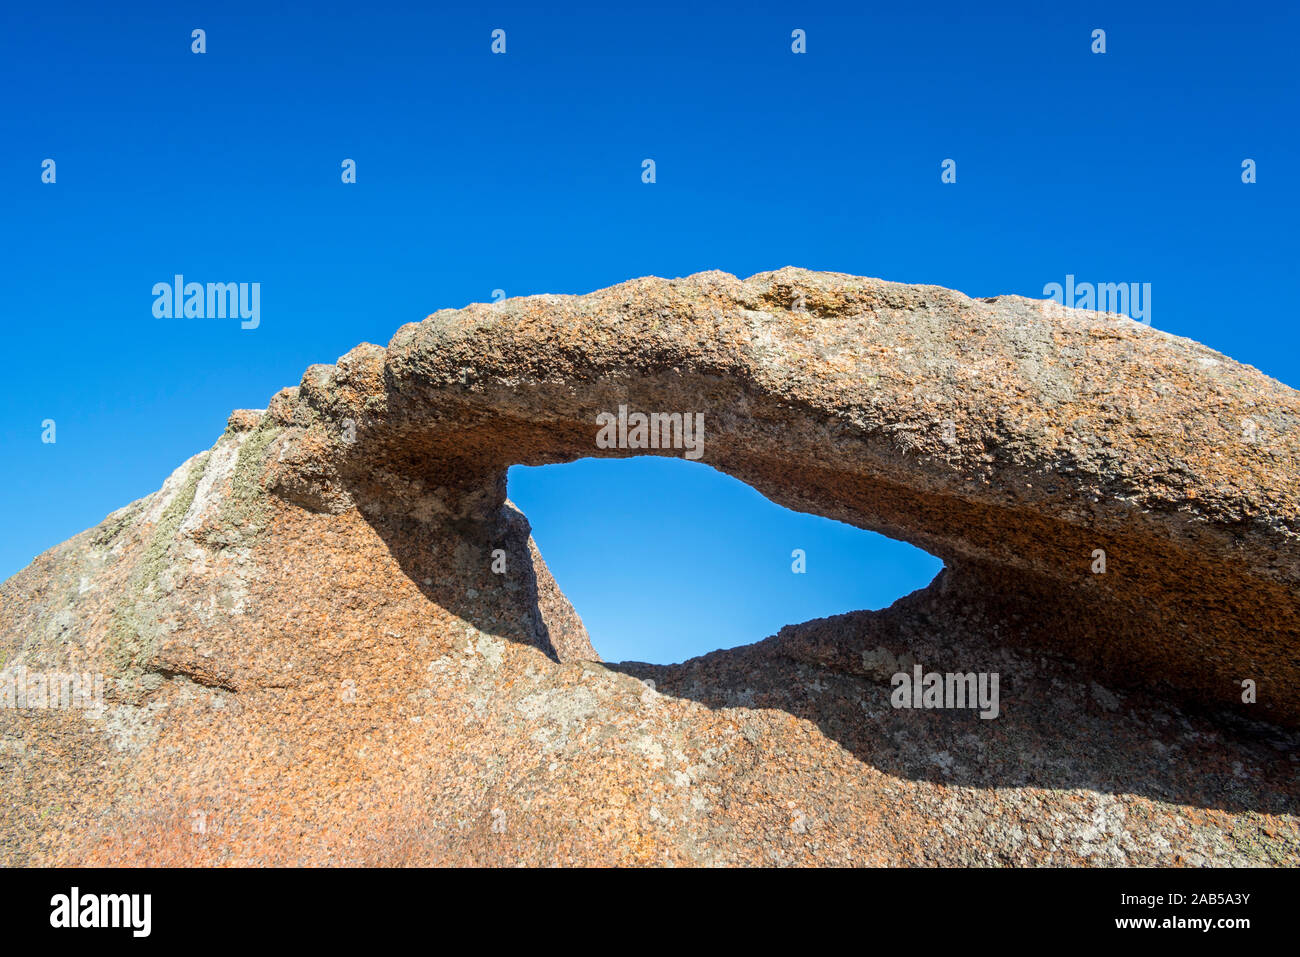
x,y
331,638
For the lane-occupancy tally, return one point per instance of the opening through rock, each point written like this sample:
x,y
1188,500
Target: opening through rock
x,y
666,559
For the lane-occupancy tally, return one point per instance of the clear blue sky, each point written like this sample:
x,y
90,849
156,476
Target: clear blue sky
x,y
523,172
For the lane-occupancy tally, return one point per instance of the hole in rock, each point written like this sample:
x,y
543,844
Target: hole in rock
x,y
666,559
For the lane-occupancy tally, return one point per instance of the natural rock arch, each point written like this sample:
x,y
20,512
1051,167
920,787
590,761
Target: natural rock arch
x,y
304,640
1017,443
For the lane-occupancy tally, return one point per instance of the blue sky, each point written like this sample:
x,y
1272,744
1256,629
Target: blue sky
x,y
522,172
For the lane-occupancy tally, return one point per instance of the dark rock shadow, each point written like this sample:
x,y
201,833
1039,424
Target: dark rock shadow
x,y
1057,726
485,572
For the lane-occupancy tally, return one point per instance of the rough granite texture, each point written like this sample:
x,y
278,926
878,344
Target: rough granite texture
x,y
313,653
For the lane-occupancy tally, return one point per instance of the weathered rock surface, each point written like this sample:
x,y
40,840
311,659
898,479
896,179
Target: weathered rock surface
x,y
310,657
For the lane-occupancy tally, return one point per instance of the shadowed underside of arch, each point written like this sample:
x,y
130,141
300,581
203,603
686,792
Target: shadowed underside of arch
x,y
333,637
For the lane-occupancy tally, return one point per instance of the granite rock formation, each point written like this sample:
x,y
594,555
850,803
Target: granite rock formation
x,y
331,638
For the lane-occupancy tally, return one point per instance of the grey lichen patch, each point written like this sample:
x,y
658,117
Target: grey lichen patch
x,y
558,712
246,510
133,630
1258,841
116,523
132,729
